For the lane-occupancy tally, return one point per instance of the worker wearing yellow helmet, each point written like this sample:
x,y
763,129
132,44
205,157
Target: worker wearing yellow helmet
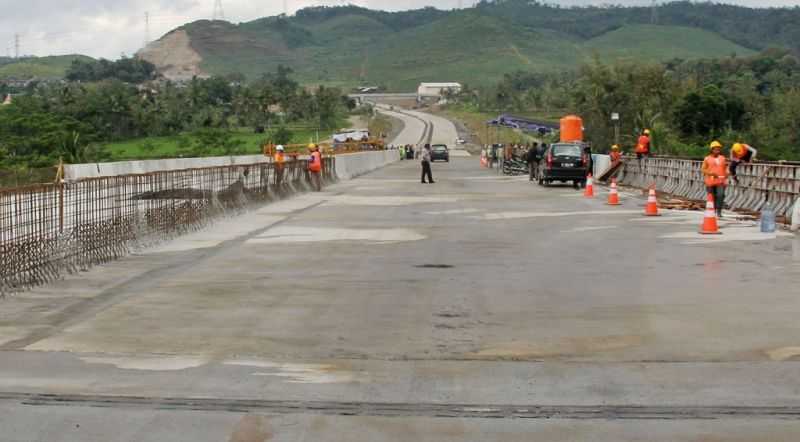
x,y
741,153
616,154
715,173
315,167
643,145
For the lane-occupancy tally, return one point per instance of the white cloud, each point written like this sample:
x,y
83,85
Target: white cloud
x,y
108,28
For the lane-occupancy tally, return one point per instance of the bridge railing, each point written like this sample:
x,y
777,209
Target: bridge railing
x,y
48,230
759,183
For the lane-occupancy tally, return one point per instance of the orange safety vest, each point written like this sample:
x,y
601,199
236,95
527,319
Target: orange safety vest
x,y
315,164
643,146
616,156
716,166
279,159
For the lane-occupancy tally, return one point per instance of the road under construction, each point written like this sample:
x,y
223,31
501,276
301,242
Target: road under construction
x,y
479,308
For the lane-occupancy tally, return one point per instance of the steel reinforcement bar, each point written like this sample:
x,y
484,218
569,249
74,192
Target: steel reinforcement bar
x,y
52,229
759,183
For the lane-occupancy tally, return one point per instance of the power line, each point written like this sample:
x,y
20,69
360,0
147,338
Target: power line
x,y
219,13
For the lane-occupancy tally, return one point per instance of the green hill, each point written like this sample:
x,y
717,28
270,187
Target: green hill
x,y
38,67
349,45
664,42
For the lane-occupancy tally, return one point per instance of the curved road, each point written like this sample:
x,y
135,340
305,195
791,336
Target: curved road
x,y
444,131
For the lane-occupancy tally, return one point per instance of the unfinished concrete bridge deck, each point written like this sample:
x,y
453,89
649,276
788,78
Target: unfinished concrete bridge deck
x,y
481,308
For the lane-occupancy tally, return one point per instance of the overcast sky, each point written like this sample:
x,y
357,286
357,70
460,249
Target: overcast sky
x,y
109,28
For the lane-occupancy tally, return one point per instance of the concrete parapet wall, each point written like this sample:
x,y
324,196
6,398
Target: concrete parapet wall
x,y
759,183
349,166
74,172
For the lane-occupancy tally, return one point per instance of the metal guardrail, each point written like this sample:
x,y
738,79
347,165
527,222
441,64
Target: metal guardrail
x,y
759,183
50,229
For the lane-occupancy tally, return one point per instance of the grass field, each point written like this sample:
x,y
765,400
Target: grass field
x,y
174,146
39,67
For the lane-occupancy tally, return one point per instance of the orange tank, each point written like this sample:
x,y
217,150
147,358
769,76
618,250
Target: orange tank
x,y
571,129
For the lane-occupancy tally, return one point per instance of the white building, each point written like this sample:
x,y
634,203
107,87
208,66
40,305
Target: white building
x,y
434,91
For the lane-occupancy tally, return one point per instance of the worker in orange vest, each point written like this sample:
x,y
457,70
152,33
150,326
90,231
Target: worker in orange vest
x,y
741,153
715,171
643,145
315,167
616,155
279,162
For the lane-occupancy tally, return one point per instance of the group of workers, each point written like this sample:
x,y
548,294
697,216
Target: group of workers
x,y
716,168
314,165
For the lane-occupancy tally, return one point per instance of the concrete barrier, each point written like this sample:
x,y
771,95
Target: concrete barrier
x,y
73,172
759,183
352,165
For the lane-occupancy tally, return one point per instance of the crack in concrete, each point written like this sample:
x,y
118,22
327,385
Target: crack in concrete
x,y
440,410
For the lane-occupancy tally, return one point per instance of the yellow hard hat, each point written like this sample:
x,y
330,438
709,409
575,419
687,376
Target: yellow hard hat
x,y
738,148
716,144
615,147
312,146
647,131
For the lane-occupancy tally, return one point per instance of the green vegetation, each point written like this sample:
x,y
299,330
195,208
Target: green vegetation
x,y
349,46
84,122
129,70
39,67
239,142
686,104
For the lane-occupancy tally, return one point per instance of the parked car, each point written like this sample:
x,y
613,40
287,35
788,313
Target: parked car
x,y
461,141
440,152
564,162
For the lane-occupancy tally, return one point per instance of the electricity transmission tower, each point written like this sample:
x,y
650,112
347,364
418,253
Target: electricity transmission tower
x,y
16,45
146,29
219,13
286,7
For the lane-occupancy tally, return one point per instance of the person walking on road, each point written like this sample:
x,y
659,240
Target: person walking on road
x,y
315,167
741,153
715,171
280,164
533,161
426,165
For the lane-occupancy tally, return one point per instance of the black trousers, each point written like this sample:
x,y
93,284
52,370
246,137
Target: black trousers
x,y
426,171
719,197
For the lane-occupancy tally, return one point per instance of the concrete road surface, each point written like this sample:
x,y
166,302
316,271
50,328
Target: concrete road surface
x,y
480,308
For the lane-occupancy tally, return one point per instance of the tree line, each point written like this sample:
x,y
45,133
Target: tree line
x,y
74,119
685,103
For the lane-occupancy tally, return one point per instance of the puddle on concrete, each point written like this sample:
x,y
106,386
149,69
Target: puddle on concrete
x,y
784,353
454,212
252,428
165,363
300,373
589,229
742,233
523,215
388,201
557,348
289,234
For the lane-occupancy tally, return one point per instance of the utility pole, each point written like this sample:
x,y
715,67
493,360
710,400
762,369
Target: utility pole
x,y
146,29
16,45
286,7
219,13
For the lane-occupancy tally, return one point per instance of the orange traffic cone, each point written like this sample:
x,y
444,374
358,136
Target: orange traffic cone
x,y
589,193
483,162
710,226
651,209
613,196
